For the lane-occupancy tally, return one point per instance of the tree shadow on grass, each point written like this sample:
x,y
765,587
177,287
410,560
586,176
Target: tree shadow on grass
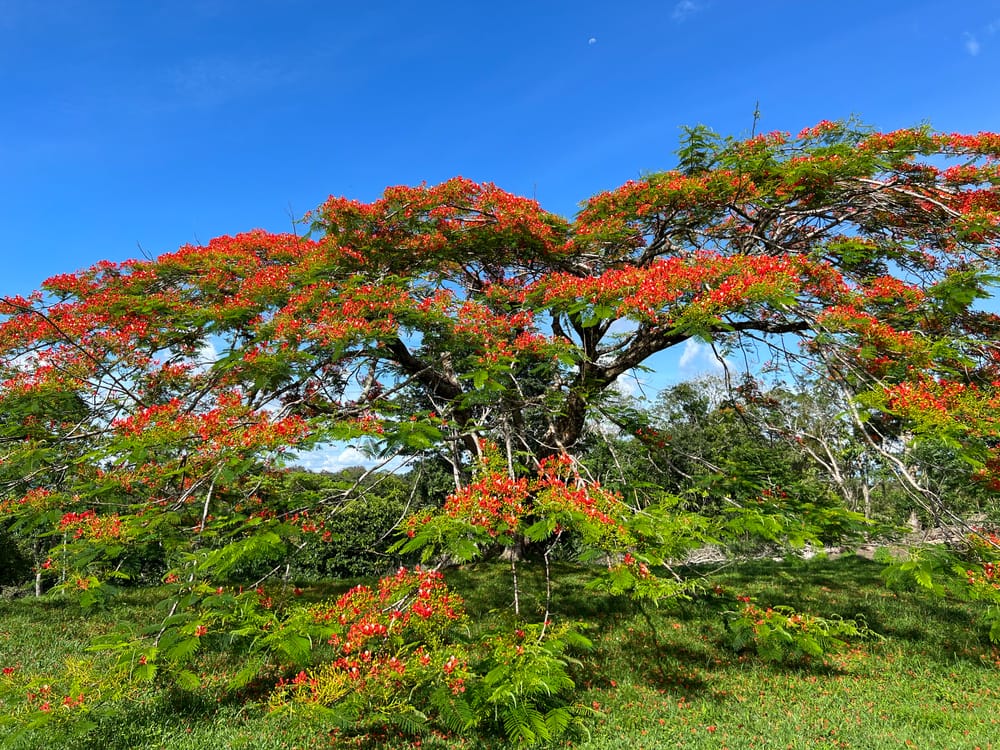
x,y
852,587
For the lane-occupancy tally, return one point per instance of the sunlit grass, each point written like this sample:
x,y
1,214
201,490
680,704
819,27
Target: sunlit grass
x,y
660,677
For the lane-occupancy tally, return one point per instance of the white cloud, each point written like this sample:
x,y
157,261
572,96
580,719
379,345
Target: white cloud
x,y
339,456
972,45
697,359
684,9
208,355
329,459
630,384
692,350
592,40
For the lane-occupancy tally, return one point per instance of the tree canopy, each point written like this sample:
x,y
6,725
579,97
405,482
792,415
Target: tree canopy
x,y
142,403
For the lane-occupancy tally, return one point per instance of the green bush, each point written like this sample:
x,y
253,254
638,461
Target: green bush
x,y
15,564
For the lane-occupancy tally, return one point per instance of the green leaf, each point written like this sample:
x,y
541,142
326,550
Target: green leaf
x,y
454,712
250,670
557,721
995,628
295,646
408,719
541,529
810,646
464,549
923,577
187,680
182,650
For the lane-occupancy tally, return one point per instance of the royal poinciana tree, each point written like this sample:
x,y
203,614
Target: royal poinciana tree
x,y
141,401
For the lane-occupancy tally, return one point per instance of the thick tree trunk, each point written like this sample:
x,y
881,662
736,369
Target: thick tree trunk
x,y
567,427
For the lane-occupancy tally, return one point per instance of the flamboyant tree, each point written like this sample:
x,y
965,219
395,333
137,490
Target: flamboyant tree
x,y
141,402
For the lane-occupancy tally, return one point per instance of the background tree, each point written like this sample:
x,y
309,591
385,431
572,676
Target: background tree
x,y
357,515
716,450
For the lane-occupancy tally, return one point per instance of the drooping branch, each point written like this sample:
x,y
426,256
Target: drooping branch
x,y
440,385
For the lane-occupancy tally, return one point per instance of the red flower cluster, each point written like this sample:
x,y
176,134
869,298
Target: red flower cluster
x,y
228,425
561,490
500,505
494,501
410,599
706,283
454,216
376,632
89,525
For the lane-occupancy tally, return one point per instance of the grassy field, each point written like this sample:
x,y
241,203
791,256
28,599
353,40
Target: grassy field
x,y
659,678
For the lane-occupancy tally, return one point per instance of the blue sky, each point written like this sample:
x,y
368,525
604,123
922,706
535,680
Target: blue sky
x,y
129,125
156,124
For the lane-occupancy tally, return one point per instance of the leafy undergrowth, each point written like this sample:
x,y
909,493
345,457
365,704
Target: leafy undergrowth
x,y
658,678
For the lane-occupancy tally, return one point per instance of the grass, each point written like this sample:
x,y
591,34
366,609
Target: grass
x,y
660,678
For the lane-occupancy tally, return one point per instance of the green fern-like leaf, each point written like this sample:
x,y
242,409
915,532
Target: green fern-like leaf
x,y
455,713
995,626
295,646
182,650
541,530
407,719
576,639
525,723
246,674
558,720
187,680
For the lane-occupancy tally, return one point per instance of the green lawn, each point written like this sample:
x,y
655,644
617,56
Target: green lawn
x,y
660,678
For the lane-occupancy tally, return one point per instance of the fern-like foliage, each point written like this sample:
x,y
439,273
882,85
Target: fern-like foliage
x,y
526,687
781,634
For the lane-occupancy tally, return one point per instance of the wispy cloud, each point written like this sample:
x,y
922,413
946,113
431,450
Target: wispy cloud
x,y
697,359
972,40
972,45
331,460
337,457
218,80
630,384
684,9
